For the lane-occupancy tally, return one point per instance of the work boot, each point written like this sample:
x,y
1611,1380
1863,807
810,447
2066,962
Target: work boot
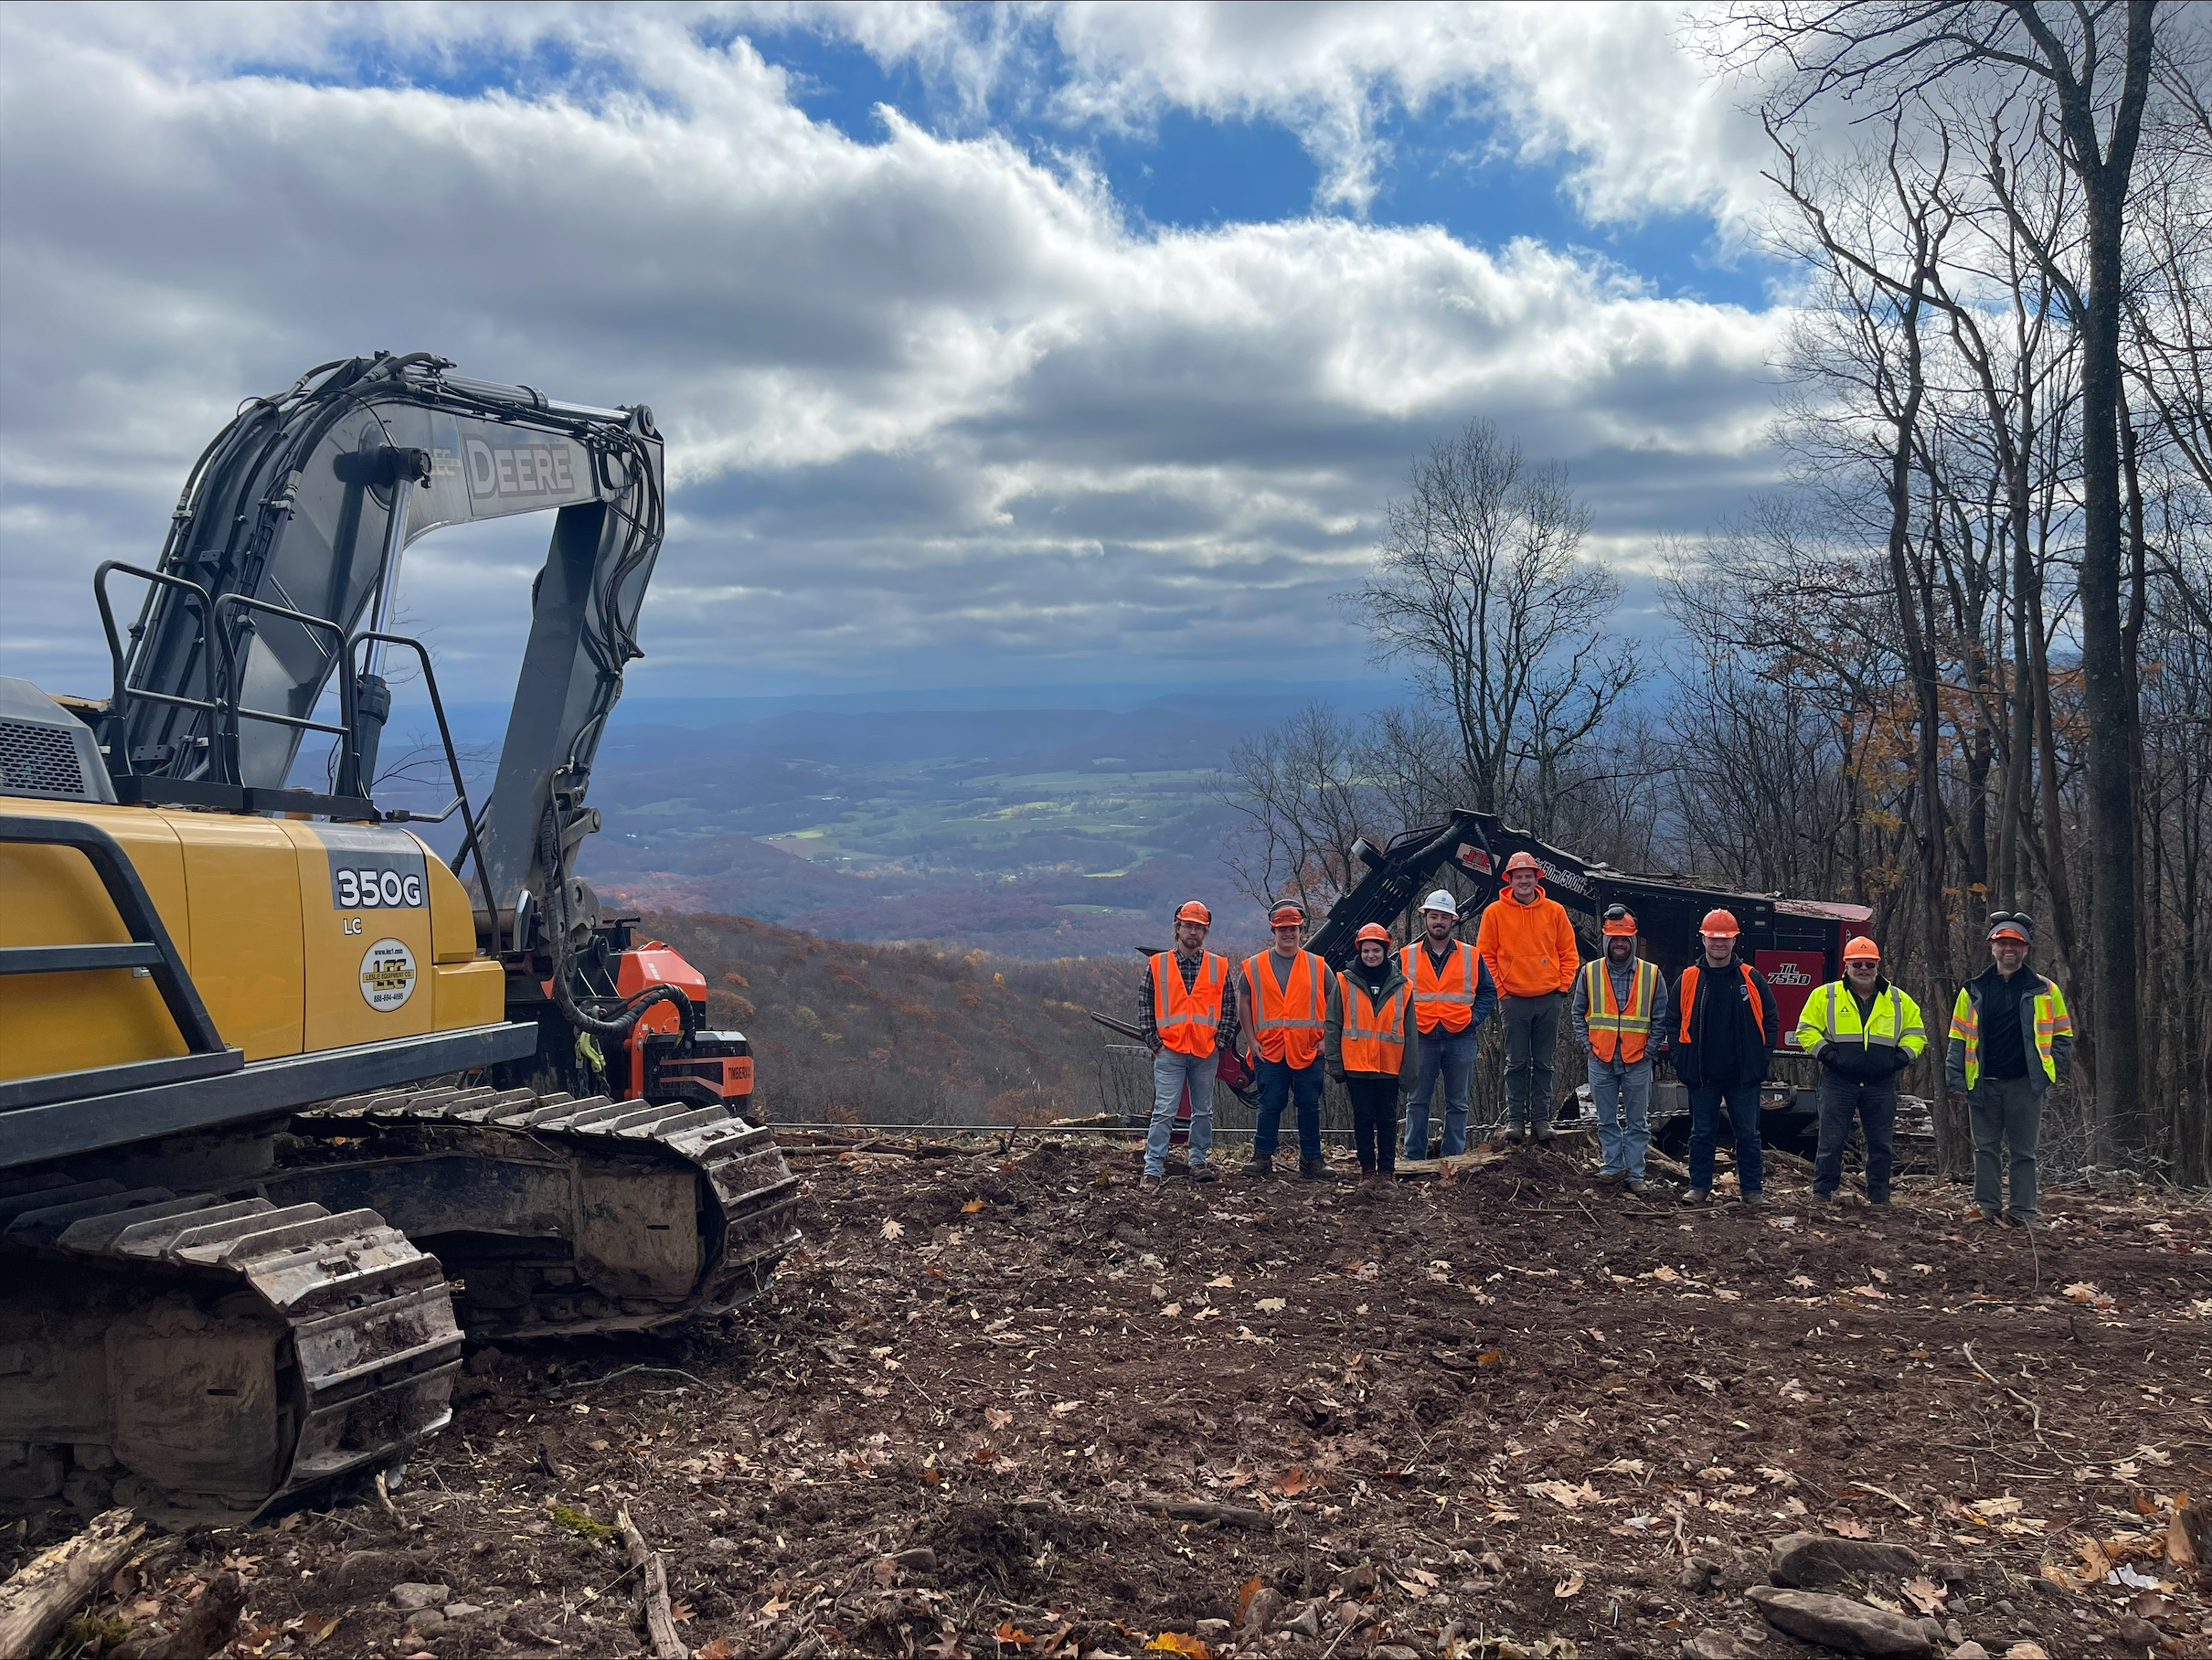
x,y
1515,1135
1610,1177
1545,1135
1820,1198
1314,1170
1203,1173
1261,1168
1150,1184
1637,1186
1697,1196
1755,1199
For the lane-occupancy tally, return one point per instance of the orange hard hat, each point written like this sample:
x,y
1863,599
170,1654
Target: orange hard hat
x,y
1862,949
1287,915
1722,922
1523,861
1373,930
1193,911
1620,921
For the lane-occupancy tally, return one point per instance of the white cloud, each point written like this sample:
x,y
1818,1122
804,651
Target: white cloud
x,y
932,406
1612,88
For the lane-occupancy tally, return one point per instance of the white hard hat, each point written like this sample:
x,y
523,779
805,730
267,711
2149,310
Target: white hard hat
x,y
1441,900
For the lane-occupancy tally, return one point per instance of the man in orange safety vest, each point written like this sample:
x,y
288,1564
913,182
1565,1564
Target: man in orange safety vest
x,y
1189,1020
1453,995
1620,1016
1287,992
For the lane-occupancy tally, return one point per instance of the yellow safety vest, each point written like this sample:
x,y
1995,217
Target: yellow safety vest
x,y
1831,1013
2051,1021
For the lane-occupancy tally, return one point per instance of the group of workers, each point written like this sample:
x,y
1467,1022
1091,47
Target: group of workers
x,y
1402,1021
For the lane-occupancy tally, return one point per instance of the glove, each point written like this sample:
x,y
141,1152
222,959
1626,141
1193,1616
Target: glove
x,y
1899,1061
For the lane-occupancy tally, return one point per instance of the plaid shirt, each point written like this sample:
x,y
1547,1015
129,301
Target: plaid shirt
x,y
1148,1018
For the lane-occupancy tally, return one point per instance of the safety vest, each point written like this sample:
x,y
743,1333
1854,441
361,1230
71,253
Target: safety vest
x,y
1832,1011
1187,1017
1750,992
1287,1022
1445,1000
1374,1039
2051,1021
1613,1027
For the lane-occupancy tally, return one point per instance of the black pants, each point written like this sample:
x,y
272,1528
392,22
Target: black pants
x,y
1874,1104
1374,1119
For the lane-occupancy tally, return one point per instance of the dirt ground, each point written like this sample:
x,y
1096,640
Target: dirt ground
x,y
1510,1413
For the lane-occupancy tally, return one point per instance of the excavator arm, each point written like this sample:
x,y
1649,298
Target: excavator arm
x,y
282,570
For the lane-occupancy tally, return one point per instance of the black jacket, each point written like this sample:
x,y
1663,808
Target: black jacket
x,y
1754,1038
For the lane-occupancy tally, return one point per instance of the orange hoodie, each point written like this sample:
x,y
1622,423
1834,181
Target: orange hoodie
x,y
1530,948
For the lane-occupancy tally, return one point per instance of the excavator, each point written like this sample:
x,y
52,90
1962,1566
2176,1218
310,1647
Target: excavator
x,y
289,1101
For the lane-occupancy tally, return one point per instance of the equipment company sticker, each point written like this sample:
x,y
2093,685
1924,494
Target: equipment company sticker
x,y
387,975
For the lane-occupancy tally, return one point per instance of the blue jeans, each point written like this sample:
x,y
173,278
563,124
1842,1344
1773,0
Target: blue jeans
x,y
1170,1070
1742,1102
1280,1082
1619,1095
1452,1056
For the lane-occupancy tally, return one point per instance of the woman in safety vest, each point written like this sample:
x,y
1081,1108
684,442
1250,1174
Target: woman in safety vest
x,y
1373,1047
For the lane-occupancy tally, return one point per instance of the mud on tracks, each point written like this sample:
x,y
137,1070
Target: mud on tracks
x,y
998,1403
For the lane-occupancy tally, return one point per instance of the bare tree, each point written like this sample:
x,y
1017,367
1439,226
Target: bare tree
x,y
1302,793
1477,590
2085,71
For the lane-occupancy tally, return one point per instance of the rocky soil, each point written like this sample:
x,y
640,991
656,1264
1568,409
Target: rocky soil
x,y
1000,1405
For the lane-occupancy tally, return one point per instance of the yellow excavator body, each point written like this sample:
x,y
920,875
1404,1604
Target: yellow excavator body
x,y
300,936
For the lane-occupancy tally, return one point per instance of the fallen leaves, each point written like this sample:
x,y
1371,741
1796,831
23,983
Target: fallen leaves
x,y
1847,1528
1562,1493
2085,1292
1292,1482
1990,1509
1926,1594
1572,1586
1270,1305
973,1206
721,1648
892,1231
1180,1642
998,1418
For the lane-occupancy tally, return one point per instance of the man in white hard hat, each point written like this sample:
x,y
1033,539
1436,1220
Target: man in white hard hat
x,y
1453,995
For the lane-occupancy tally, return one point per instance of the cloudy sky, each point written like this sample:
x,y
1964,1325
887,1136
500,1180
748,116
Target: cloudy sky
x,y
993,346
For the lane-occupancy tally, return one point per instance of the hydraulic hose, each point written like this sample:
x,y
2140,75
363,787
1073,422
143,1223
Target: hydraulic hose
x,y
618,1021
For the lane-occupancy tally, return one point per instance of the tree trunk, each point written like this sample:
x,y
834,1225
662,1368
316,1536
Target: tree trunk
x,y
2104,172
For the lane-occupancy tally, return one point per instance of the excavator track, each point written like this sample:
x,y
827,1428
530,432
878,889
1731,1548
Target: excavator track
x,y
206,1358
558,1216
